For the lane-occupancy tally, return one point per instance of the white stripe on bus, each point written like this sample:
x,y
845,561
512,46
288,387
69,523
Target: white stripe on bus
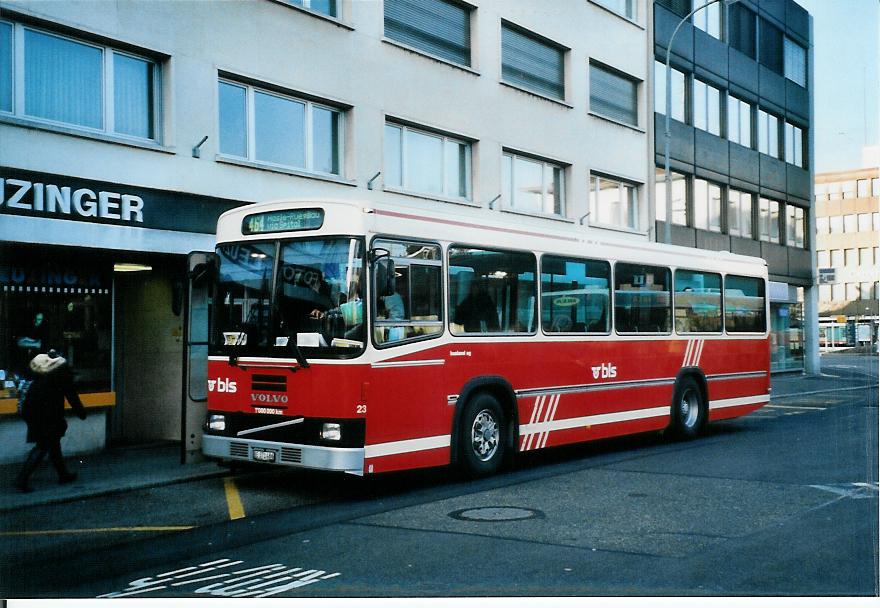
x,y
735,401
588,421
421,363
406,446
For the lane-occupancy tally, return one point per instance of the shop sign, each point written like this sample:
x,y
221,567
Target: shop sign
x,y
827,276
40,199
52,276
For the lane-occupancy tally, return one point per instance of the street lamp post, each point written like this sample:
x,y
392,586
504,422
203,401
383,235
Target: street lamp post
x,y
667,228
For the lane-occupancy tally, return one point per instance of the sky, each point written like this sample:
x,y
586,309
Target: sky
x,y
846,38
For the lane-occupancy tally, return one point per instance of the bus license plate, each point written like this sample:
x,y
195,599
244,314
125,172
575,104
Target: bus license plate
x,y
264,455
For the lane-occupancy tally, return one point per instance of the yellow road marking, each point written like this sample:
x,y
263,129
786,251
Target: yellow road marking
x,y
233,500
100,530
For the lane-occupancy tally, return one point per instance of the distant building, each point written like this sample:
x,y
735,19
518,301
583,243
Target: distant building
x,y
847,250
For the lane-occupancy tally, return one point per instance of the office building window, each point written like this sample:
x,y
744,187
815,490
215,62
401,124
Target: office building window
x,y
269,127
613,94
824,293
865,256
708,19
795,62
707,205
865,291
833,191
613,203
427,163
739,213
837,292
679,7
822,225
325,7
707,107
770,48
864,222
794,224
529,61
850,257
823,258
875,186
837,258
836,224
848,189
679,197
820,192
436,27
742,34
768,134
679,97
875,221
739,121
768,220
852,292
75,83
850,223
627,8
863,188
532,185
794,145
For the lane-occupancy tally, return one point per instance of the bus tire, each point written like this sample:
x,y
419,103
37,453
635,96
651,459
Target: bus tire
x,y
481,436
689,411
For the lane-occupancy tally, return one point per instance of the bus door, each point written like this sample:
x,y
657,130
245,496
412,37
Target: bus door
x,y
200,269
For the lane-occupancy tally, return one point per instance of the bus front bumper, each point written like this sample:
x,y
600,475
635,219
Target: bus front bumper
x,y
349,460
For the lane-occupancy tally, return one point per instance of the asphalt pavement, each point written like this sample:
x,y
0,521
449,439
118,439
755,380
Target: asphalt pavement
x,y
118,470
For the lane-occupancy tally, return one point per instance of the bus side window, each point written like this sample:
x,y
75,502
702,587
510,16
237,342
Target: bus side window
x,y
575,295
414,309
697,302
744,310
642,299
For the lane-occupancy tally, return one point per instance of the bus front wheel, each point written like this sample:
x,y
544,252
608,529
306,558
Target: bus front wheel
x,y
689,411
481,436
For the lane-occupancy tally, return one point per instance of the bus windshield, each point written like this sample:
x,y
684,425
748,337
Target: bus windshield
x,y
275,295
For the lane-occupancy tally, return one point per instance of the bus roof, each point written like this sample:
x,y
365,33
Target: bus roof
x,y
479,228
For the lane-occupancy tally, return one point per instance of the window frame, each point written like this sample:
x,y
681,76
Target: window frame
x,y
768,133
702,91
741,109
620,75
794,144
740,194
799,75
468,11
622,186
712,14
767,236
547,171
708,205
679,110
522,83
308,127
107,89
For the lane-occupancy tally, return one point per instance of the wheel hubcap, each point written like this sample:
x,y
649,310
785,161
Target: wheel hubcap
x,y
689,408
485,435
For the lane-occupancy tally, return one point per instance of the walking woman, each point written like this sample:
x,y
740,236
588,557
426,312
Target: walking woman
x,y
43,411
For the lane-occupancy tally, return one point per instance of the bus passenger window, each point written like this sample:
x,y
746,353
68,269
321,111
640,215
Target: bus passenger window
x,y
575,295
697,302
414,310
744,310
642,299
491,291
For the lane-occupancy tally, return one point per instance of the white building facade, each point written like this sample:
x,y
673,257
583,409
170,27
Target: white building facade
x,y
128,127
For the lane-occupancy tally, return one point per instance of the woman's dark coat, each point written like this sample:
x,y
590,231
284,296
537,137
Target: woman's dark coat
x,y
43,407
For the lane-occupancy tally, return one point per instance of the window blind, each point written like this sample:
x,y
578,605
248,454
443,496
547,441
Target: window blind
x,y
532,63
613,95
435,26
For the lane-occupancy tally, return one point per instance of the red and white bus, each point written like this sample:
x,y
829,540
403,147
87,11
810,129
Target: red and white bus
x,y
367,339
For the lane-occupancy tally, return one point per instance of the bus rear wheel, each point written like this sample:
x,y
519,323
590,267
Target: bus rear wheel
x,y
689,411
481,436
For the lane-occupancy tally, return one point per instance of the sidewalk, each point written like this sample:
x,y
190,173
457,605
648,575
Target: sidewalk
x,y
124,469
108,472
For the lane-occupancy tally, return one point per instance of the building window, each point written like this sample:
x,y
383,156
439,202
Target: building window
x,y
707,107
679,197
848,189
613,203
850,257
707,205
833,191
863,188
679,97
822,225
852,292
739,121
865,291
436,27
875,186
530,61
679,7
795,62
836,224
613,94
794,224
768,134
72,82
875,220
325,7
850,223
824,293
428,163
821,192
269,127
823,258
739,213
864,222
794,145
837,293
532,185
865,256
627,8
837,258
742,33
708,19
770,49
768,220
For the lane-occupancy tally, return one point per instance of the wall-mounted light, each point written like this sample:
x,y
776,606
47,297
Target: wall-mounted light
x,y
197,152
372,179
130,267
492,202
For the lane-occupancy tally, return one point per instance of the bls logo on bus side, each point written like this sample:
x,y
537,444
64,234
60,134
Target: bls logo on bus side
x,y
606,370
222,385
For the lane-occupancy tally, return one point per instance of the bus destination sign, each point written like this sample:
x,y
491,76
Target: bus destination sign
x,y
287,220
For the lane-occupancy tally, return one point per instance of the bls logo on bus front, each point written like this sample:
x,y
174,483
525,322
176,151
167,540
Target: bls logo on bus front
x,y
606,370
222,385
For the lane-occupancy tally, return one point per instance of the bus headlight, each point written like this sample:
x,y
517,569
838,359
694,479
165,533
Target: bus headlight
x,y
331,431
216,422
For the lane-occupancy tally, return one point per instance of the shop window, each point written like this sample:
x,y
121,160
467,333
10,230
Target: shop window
x,y
575,295
642,299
